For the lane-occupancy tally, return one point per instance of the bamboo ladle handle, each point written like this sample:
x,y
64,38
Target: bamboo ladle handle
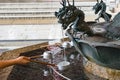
x,y
44,63
37,56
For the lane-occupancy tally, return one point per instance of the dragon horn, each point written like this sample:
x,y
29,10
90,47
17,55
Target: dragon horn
x,y
73,2
63,3
68,2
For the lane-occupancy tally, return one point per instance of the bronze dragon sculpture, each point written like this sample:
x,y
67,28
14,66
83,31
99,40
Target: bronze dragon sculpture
x,y
74,18
100,7
73,21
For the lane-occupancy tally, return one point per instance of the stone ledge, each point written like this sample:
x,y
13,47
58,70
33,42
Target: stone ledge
x,y
4,73
106,73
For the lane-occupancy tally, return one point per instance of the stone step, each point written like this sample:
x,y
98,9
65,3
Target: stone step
x,y
24,1
40,20
27,21
41,5
30,32
34,10
9,11
37,10
27,16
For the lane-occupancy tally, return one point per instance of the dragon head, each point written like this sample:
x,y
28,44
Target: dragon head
x,y
68,14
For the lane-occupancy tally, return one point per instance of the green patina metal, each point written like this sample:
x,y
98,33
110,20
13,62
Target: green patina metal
x,y
73,19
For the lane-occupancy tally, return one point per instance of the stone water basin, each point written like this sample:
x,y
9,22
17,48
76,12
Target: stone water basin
x,y
34,71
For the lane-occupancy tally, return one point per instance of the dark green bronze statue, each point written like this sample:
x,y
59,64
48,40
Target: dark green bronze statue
x,y
73,20
100,8
72,17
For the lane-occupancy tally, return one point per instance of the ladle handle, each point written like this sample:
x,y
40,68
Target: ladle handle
x,y
45,63
37,56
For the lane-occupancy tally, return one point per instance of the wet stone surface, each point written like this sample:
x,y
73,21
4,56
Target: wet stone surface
x,y
34,71
76,70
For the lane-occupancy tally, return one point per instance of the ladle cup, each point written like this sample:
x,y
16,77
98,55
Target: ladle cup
x,y
47,55
63,65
